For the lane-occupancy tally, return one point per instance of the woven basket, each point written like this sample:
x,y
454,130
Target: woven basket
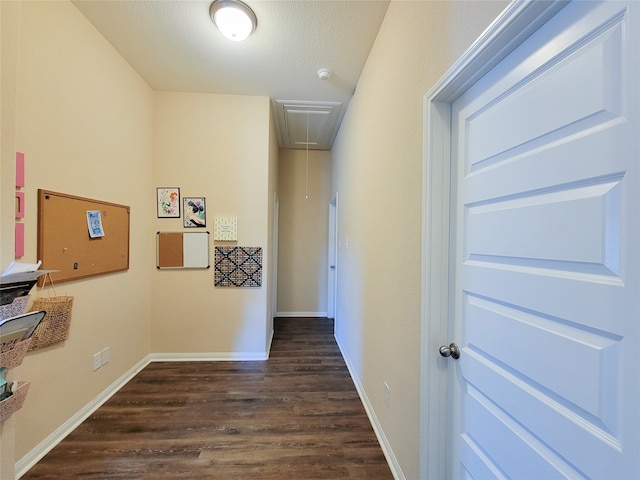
x,y
12,353
54,327
12,404
15,308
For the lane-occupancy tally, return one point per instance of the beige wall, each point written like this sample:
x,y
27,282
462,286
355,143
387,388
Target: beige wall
x,y
89,126
217,147
9,41
84,122
302,257
377,161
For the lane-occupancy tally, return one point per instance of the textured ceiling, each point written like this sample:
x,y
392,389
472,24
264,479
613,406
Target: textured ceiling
x,y
174,46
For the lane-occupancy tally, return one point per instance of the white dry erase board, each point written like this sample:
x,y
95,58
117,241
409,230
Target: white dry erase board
x,y
182,250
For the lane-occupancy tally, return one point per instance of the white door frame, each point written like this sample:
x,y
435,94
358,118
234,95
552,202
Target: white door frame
x,y
274,274
332,251
516,23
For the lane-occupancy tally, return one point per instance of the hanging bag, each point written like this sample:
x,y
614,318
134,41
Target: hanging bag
x,y
55,325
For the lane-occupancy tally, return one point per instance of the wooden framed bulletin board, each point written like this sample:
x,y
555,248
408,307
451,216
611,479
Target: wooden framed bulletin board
x,y
68,243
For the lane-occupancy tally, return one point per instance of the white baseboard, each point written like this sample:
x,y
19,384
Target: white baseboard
x,y
270,342
208,357
377,428
30,459
301,314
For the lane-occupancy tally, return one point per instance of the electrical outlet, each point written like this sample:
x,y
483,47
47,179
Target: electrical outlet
x,y
97,361
105,355
387,395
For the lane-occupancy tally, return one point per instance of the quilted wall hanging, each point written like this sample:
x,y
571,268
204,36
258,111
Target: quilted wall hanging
x,y
238,266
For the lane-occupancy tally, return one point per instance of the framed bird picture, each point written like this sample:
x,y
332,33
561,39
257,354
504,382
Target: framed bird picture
x,y
194,212
168,202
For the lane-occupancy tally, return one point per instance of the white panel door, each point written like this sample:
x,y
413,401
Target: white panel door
x,y
546,296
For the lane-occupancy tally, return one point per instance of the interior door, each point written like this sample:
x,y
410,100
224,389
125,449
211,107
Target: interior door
x,y
546,256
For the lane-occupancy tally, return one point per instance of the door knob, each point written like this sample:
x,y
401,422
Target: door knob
x,y
451,351
332,267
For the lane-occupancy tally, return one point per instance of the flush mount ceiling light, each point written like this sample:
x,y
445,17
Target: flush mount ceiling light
x,y
234,19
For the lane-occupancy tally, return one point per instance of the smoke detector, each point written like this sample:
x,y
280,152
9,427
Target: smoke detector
x,y
324,74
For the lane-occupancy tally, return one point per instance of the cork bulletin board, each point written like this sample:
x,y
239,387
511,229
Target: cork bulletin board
x,y
67,243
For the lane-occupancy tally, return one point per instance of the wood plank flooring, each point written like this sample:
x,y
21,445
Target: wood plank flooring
x,y
294,416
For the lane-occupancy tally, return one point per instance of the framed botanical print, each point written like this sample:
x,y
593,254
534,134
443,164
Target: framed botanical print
x,y
168,199
195,212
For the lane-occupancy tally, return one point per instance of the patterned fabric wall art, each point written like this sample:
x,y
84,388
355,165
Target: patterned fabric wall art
x,y
238,266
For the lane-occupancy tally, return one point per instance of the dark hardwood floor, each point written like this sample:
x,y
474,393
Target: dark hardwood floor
x,y
294,416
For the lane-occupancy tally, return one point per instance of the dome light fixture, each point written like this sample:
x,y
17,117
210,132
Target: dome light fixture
x,y
234,19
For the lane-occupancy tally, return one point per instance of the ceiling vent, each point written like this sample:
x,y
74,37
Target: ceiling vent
x,y
302,123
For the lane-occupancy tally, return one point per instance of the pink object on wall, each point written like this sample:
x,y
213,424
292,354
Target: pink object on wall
x,y
19,169
19,204
19,240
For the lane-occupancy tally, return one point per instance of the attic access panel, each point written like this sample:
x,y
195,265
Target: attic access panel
x,y
292,117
